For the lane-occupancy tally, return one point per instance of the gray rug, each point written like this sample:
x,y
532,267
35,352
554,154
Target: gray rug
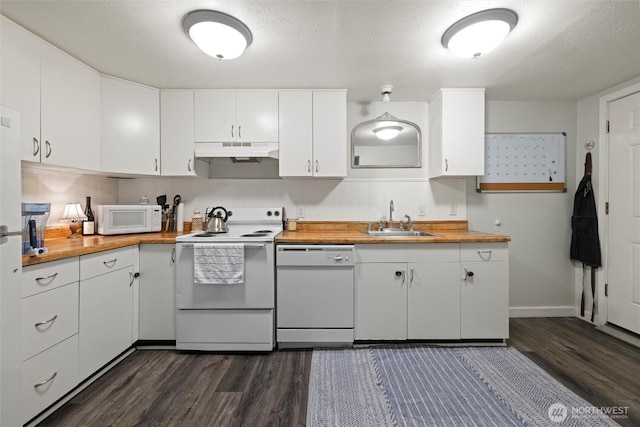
x,y
440,386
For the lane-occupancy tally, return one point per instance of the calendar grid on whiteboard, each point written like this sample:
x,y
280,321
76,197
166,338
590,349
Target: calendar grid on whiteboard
x,y
524,162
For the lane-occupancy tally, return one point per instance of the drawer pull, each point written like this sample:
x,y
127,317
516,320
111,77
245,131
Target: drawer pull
x,y
47,279
46,321
485,255
111,263
48,380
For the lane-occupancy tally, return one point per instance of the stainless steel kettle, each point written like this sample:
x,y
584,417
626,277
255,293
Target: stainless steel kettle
x,y
217,220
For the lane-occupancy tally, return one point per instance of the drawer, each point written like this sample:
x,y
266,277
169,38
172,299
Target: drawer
x,y
49,275
433,252
490,251
48,318
104,262
48,376
381,252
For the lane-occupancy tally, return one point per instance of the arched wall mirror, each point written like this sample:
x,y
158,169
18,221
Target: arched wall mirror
x,y
386,142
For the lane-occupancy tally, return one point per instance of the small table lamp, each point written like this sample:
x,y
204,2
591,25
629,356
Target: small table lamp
x,y
73,213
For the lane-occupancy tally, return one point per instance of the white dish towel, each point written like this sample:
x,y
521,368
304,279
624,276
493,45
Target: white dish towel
x,y
218,264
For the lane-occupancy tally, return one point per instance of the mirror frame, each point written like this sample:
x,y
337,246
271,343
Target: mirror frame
x,y
386,118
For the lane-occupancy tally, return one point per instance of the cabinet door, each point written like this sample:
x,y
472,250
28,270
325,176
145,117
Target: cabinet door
x,y
157,292
330,134
106,319
215,116
484,300
433,302
20,82
296,135
381,301
257,116
130,128
463,132
456,133
177,137
70,111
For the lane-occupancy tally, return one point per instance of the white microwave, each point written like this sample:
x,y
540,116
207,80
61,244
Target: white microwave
x,y
125,219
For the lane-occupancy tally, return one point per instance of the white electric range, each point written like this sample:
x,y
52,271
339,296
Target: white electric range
x,y
230,317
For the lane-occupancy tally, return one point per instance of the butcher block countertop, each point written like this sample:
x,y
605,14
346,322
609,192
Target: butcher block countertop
x,y
351,232
308,232
61,247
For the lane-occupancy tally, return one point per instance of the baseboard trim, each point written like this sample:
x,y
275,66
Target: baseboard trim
x,y
558,311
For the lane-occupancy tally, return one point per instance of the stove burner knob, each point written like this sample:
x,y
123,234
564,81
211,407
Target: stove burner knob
x,y
269,213
277,213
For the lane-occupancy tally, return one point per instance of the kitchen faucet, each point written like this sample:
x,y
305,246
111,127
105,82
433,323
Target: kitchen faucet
x,y
391,209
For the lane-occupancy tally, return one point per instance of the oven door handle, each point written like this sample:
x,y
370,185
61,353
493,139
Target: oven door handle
x,y
246,245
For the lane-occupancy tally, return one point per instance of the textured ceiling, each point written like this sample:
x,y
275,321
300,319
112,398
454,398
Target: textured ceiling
x,y
559,51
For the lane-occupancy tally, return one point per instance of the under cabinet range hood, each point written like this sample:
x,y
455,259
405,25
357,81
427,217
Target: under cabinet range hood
x,y
237,150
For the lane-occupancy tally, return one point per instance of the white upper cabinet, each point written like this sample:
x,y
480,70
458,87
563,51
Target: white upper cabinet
x,y
130,141
296,134
20,82
70,111
456,133
313,133
177,135
236,116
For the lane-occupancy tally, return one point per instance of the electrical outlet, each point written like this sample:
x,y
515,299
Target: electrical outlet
x,y
422,210
453,210
300,212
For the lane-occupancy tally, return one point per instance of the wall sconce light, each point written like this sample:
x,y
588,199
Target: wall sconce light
x,y
479,33
73,213
217,34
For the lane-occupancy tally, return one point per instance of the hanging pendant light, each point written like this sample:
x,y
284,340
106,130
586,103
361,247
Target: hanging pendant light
x,y
479,33
217,34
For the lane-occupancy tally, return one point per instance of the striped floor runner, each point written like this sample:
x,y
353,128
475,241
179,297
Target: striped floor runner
x,y
439,386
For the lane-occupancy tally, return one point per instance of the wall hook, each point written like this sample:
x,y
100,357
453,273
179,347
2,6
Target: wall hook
x,y
589,145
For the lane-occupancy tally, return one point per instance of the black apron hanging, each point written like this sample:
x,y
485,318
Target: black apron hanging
x,y
585,242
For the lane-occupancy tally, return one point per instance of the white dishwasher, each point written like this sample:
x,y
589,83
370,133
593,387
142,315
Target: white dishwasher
x,y
314,295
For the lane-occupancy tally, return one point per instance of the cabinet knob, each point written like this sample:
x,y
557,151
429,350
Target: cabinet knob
x,y
467,274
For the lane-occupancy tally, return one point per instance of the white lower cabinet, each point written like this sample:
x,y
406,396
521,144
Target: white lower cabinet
x,y
48,376
432,291
407,292
106,308
157,292
484,293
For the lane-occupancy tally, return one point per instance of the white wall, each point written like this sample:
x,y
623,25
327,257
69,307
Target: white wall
x,y
541,274
61,187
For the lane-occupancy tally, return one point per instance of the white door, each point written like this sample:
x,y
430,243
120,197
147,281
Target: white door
x,y
296,139
623,236
329,134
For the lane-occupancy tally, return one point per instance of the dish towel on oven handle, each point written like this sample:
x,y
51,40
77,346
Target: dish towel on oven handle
x,y
218,264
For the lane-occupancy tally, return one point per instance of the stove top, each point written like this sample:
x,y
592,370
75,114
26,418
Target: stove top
x,y
245,225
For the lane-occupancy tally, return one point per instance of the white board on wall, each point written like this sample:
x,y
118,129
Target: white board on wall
x,y
524,162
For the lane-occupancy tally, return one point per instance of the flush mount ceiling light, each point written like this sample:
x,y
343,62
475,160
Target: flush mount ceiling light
x,y
387,127
217,34
480,32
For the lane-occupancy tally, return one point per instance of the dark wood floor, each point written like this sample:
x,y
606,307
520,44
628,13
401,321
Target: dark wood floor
x,y
165,388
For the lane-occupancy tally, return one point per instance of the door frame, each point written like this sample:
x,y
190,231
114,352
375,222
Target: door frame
x,y
603,190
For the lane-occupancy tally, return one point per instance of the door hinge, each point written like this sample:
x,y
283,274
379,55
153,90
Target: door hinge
x,y
606,208
607,126
606,289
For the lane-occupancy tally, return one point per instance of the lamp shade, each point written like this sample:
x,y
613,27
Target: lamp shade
x,y
73,212
479,33
217,34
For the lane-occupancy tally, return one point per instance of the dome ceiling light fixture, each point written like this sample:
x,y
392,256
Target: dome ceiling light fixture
x,y
480,32
217,34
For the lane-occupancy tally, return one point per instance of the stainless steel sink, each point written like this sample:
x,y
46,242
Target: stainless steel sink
x,y
397,233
